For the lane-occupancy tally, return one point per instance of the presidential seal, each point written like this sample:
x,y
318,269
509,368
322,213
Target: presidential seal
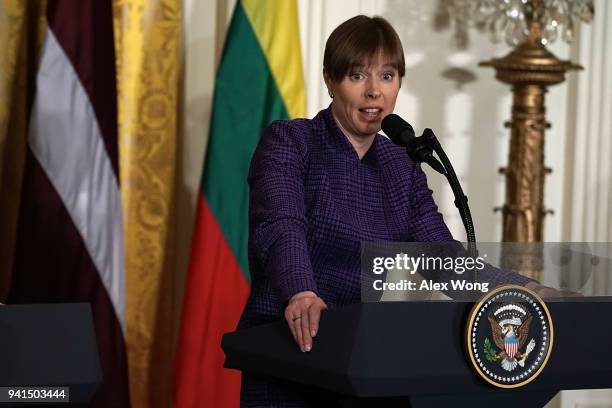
x,y
509,336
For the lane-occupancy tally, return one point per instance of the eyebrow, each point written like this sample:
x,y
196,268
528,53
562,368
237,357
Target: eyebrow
x,y
362,67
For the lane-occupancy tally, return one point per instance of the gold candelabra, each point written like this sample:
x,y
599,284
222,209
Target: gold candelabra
x,y
530,69
527,26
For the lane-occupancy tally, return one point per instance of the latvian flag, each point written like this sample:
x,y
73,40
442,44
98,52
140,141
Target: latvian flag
x,y
70,238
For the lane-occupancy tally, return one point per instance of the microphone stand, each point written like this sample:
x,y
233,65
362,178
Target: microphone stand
x,y
461,201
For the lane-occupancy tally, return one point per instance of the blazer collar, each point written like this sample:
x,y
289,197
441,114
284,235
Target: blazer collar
x,y
338,141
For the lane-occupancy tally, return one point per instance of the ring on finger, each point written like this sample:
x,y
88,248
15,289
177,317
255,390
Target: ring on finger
x,y
296,318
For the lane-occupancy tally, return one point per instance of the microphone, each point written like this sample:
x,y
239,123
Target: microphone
x,y
419,149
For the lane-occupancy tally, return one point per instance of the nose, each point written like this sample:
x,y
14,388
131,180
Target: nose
x,y
373,89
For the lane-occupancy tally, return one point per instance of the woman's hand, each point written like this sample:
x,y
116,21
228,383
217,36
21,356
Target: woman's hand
x,y
302,314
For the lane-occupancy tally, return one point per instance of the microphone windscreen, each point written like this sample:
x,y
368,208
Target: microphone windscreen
x,y
398,130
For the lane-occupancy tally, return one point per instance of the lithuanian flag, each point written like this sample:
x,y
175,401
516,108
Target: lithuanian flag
x,y
259,80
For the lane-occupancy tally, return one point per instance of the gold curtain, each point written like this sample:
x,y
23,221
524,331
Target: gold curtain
x,y
147,39
22,27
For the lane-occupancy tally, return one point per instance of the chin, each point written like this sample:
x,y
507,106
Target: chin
x,y
370,130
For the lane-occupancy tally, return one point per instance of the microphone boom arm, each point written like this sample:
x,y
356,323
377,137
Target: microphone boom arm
x,y
461,201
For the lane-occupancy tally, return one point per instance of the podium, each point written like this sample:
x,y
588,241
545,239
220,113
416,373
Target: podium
x,y
49,345
389,354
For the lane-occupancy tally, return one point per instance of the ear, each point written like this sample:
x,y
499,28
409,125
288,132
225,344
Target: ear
x,y
326,78
329,83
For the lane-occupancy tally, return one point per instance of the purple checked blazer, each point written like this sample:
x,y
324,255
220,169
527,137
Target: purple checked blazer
x,y
312,203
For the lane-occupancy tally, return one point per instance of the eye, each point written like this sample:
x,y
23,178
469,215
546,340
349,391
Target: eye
x,y
356,76
388,76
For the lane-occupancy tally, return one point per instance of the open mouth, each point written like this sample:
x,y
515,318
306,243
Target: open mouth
x,y
371,112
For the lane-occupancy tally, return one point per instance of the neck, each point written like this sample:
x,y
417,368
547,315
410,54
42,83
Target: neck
x,y
361,144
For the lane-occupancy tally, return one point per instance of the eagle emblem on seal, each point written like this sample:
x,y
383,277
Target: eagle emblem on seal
x,y
509,336
510,330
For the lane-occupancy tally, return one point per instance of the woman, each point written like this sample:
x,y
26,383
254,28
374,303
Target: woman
x,y
320,187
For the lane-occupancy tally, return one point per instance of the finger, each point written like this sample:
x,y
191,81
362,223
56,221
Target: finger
x,y
297,326
289,319
305,326
293,332
314,315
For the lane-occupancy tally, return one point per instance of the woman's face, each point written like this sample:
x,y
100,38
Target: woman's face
x,y
364,97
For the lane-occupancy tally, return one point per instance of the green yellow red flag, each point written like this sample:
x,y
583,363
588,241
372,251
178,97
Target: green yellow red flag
x,y
259,80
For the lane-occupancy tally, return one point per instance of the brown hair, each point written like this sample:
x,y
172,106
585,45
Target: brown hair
x,y
359,40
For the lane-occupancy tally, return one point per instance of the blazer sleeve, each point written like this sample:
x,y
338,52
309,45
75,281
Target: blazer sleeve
x,y
426,222
428,225
277,218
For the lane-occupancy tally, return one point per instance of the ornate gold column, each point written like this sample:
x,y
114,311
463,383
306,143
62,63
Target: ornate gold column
x,y
530,68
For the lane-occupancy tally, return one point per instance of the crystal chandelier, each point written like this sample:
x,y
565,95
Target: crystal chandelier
x,y
506,19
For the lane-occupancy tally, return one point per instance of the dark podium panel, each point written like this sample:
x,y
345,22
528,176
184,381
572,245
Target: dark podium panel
x,y
49,345
387,353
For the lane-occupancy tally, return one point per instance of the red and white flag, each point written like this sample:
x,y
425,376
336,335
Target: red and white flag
x,y
70,237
